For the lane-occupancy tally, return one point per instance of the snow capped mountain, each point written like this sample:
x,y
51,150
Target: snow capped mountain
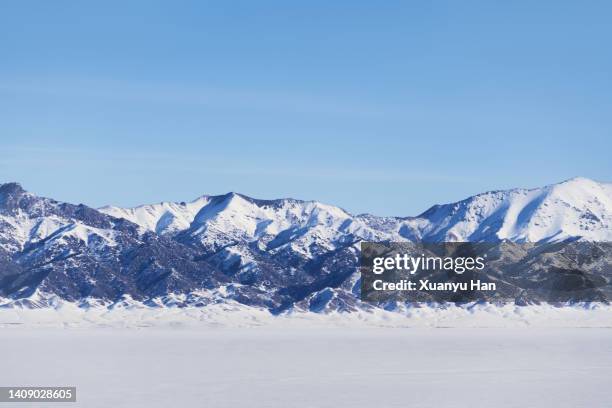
x,y
276,254
27,220
575,208
75,252
163,218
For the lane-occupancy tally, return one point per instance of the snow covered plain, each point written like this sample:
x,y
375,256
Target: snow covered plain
x,y
205,357
315,367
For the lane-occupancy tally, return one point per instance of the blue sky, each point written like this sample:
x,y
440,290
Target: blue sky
x,y
385,108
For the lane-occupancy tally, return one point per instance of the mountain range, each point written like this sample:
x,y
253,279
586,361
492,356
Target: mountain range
x,y
275,254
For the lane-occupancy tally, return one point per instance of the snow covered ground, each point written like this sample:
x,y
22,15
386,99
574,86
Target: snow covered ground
x,y
235,315
199,366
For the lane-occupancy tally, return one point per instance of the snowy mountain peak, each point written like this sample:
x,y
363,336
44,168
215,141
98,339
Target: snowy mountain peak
x,y
578,180
578,188
10,195
239,218
162,218
578,207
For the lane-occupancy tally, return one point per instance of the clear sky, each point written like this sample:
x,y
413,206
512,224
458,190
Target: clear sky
x,y
382,107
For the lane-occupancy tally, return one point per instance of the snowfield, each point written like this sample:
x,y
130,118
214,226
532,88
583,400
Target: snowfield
x,y
236,315
230,355
199,366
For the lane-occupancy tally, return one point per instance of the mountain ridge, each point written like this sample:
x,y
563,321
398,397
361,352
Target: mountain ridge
x,y
432,214
276,254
